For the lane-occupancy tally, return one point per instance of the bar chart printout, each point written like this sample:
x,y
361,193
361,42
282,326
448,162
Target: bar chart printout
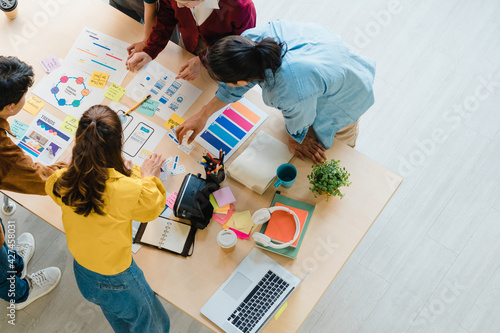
x,y
96,51
229,127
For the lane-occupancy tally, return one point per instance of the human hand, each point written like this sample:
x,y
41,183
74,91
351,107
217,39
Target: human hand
x,y
151,165
309,148
134,48
195,123
137,60
191,69
127,163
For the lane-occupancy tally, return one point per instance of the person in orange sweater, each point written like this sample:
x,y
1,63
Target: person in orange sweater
x,y
18,173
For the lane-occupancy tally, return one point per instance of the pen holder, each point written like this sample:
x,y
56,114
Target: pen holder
x,y
215,176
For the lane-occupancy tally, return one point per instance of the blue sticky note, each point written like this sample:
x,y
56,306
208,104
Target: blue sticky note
x,y
18,129
148,107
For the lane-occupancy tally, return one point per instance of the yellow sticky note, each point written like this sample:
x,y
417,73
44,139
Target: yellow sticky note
x,y
136,172
33,105
280,311
115,92
70,124
242,221
174,121
223,209
98,79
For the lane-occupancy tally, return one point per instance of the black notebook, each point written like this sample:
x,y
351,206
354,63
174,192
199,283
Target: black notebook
x,y
167,234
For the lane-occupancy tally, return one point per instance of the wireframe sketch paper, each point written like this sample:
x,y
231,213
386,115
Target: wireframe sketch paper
x,y
67,89
256,166
229,127
174,96
140,135
96,51
43,140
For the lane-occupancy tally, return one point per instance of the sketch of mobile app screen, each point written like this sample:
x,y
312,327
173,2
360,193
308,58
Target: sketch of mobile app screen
x,y
124,119
137,139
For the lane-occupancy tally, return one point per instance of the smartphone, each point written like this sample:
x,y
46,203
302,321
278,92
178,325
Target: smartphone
x,y
137,139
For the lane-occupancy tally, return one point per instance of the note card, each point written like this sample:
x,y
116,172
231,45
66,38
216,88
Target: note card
x,y
70,124
33,105
224,196
174,121
240,221
98,79
50,63
148,107
171,199
115,92
18,128
136,172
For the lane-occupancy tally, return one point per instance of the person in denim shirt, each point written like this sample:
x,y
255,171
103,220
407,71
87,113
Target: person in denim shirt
x,y
304,70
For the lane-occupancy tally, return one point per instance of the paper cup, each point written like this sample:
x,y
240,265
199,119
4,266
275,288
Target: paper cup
x,y
9,7
227,240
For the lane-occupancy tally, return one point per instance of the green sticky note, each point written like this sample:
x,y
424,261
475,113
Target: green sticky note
x,y
115,92
18,129
213,201
148,107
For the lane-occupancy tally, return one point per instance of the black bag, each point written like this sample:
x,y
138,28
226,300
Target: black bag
x,y
193,201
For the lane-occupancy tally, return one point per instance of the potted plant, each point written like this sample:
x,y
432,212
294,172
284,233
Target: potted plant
x,y
326,179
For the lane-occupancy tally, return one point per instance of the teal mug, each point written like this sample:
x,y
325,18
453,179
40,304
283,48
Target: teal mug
x,y
286,174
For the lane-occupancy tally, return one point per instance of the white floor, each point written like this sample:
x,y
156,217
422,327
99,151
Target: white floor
x,y
430,261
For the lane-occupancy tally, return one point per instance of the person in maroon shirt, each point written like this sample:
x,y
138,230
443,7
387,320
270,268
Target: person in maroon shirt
x,y
232,17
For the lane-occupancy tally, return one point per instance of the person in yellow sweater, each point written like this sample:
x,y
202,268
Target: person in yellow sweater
x,y
99,200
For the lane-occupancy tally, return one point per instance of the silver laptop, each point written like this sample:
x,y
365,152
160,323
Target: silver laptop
x,y
251,295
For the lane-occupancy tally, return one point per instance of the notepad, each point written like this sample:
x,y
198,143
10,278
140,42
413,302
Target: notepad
x,y
256,166
281,226
165,234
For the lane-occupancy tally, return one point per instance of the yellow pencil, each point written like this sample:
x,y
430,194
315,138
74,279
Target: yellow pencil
x,y
137,105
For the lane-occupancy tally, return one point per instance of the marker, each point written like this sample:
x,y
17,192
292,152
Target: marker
x,y
137,105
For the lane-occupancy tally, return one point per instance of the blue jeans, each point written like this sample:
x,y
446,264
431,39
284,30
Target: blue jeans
x,y
126,299
11,284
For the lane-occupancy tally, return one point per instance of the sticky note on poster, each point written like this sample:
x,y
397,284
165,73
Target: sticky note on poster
x,y
33,105
115,92
148,107
18,128
50,63
70,124
174,121
98,79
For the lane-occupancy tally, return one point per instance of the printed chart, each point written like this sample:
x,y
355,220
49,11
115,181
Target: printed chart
x,y
68,90
229,127
95,51
174,96
43,140
140,135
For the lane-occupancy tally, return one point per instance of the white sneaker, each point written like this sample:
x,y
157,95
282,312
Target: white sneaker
x,y
41,283
25,247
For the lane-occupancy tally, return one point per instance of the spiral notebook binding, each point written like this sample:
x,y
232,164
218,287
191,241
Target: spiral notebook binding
x,y
165,233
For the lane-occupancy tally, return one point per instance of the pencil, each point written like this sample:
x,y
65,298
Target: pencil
x,y
137,105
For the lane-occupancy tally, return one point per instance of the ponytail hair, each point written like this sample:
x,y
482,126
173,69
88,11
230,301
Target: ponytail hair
x,y
98,146
237,58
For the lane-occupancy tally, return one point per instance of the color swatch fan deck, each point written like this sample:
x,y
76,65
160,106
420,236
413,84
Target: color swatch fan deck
x,y
229,127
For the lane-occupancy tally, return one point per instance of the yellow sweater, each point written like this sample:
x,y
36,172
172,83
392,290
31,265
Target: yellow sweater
x,y
102,243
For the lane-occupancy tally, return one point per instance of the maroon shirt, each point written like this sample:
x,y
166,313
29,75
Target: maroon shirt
x,y
233,17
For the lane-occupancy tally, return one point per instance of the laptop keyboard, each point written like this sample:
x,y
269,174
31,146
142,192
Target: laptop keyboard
x,y
258,301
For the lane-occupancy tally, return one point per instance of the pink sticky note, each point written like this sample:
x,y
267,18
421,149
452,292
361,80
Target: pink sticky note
x,y
222,218
241,235
171,199
224,196
50,63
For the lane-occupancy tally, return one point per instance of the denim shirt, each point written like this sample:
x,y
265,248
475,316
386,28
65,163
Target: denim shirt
x,y
320,83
